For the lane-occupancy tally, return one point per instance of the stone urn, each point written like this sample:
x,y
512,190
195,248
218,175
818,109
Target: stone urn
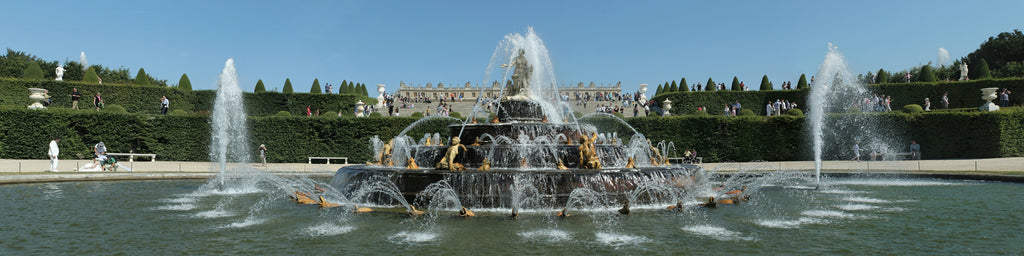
x,y
666,105
36,95
360,108
988,94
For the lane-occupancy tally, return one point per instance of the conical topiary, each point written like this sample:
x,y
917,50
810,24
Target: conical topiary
x,y
287,86
184,83
802,84
259,86
32,71
315,88
765,84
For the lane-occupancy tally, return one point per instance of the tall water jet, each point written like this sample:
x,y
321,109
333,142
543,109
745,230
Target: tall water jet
x,y
539,83
836,90
84,61
229,140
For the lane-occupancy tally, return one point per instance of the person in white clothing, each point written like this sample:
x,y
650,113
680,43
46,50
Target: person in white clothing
x,y
54,151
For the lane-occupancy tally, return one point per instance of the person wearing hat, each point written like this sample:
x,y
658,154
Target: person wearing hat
x,y
263,155
54,151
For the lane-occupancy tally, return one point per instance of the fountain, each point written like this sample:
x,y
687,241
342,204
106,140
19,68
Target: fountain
x,y
528,145
836,90
229,141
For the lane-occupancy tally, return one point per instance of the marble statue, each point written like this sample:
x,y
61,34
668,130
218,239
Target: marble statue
x,y
60,73
519,89
963,72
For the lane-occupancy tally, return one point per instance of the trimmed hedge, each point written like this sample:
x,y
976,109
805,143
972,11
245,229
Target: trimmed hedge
x,y
25,133
146,99
961,94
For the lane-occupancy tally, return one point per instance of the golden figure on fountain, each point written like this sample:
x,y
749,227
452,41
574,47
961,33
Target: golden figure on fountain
x,y
448,162
588,153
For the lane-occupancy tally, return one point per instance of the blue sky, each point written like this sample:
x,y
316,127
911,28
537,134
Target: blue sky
x,y
384,42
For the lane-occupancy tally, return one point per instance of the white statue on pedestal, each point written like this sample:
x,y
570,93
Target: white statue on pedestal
x,y
963,71
380,98
60,73
643,93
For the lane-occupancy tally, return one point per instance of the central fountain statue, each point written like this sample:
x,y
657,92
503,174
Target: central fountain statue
x,y
519,157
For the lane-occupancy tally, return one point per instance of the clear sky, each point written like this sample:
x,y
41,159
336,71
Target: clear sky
x,y
384,42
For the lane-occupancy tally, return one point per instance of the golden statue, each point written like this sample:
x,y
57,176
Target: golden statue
x,y
495,120
485,166
302,198
654,161
524,164
561,166
630,163
411,165
476,142
362,209
448,162
588,153
466,213
385,154
427,142
324,204
544,119
656,158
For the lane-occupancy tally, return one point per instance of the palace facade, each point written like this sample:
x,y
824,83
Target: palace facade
x,y
469,92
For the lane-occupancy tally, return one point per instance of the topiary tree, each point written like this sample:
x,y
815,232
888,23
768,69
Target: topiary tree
x,y
91,76
882,76
983,71
287,86
765,84
114,108
416,115
927,74
711,85
259,86
315,88
283,113
683,85
913,108
32,71
746,112
802,84
184,83
659,91
674,87
795,112
736,84
141,78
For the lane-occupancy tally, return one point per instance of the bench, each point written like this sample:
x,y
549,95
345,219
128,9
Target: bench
x,y
682,160
328,158
131,156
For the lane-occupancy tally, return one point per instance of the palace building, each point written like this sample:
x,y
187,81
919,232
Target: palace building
x,y
469,92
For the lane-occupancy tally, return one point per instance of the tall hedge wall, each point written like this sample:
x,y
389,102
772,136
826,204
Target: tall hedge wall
x,y
146,99
961,95
24,134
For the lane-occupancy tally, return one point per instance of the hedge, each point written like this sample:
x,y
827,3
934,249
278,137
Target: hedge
x,y
146,99
25,133
961,94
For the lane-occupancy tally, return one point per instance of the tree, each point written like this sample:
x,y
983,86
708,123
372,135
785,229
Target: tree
x,y
184,83
926,74
659,91
998,52
32,71
287,86
259,86
983,71
315,88
342,88
765,84
711,85
683,85
91,76
362,89
882,77
736,84
141,78
802,84
674,87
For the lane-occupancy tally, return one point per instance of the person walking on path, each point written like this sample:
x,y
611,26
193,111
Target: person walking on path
x,y
164,105
263,155
97,101
856,152
75,96
54,151
945,100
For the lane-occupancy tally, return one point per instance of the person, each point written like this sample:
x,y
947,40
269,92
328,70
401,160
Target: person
x,y
768,108
907,77
97,101
164,104
308,112
915,150
927,105
75,96
263,155
100,150
945,100
1004,98
856,152
54,151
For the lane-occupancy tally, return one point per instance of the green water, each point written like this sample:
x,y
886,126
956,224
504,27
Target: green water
x,y
852,216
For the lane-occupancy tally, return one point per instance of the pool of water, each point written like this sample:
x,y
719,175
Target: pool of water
x,y
852,215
